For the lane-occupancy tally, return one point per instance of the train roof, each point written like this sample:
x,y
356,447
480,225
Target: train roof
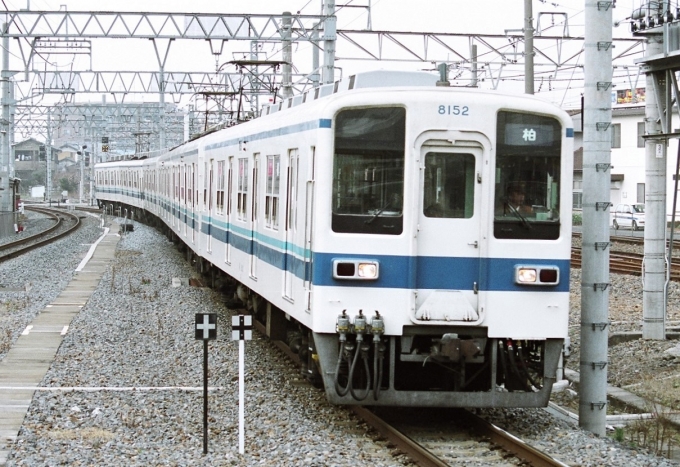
x,y
370,79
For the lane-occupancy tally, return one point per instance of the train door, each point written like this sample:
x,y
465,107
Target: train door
x,y
208,243
291,224
227,241
309,222
183,197
192,200
449,233
253,216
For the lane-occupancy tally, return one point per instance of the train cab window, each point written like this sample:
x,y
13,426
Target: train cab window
x,y
527,181
449,185
368,170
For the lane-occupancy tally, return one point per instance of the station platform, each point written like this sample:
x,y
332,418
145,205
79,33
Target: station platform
x,y
30,357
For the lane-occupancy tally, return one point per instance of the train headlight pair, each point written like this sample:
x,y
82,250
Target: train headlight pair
x,y
355,269
537,275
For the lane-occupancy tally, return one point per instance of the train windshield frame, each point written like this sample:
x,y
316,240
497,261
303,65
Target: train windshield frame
x,y
527,178
368,170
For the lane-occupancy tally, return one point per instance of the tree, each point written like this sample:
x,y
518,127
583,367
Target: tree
x,y
66,185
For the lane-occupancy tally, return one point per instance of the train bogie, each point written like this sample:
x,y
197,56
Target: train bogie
x,y
414,240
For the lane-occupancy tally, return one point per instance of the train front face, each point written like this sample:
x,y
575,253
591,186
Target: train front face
x,y
434,287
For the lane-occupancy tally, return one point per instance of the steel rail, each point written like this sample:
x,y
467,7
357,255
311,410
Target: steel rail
x,y
52,214
420,454
624,263
511,443
46,241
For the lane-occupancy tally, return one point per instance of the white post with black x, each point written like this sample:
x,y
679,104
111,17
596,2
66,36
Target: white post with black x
x,y
241,331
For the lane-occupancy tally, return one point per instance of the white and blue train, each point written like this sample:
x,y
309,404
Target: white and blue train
x,y
368,222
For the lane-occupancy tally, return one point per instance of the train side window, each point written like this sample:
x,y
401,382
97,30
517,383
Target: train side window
x,y
210,186
368,170
242,189
449,185
272,190
220,186
205,186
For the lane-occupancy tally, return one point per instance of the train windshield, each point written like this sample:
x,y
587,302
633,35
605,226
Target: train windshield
x,y
368,170
527,182
449,185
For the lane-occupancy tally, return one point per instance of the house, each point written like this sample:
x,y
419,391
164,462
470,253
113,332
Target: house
x,y
627,157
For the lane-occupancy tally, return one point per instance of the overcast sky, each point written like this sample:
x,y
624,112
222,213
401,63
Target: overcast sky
x,y
459,16
429,15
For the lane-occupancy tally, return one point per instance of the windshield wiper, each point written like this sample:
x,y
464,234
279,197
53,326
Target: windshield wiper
x,y
519,215
377,214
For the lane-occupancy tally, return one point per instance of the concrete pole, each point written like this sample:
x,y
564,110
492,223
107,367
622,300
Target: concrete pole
x,y
654,278
287,85
473,55
5,192
187,123
315,57
528,48
329,36
82,176
11,130
48,157
255,84
161,113
596,196
93,159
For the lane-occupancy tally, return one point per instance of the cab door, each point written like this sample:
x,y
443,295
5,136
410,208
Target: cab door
x,y
449,236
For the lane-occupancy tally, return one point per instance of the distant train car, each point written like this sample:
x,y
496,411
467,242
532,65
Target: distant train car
x,y
374,224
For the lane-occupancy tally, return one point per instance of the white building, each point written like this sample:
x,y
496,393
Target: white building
x,y
627,158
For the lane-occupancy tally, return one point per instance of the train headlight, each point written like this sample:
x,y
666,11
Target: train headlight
x,y
526,275
537,275
355,269
368,270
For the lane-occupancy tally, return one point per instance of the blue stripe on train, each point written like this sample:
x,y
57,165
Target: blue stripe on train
x,y
402,272
446,273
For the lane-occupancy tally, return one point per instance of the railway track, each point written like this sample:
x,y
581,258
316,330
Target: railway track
x,y
65,223
451,435
627,262
444,436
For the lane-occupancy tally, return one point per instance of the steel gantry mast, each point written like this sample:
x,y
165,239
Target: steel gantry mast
x,y
471,58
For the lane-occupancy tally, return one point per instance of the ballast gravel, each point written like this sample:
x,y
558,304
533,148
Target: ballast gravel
x,y
126,385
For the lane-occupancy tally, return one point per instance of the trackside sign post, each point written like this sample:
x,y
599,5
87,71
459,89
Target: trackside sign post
x,y
206,330
241,330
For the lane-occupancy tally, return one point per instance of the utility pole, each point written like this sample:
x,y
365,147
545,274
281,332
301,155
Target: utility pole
x,y
5,192
81,194
287,85
654,278
48,157
329,37
473,57
528,48
596,195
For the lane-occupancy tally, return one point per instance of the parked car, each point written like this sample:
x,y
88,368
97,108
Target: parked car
x,y
630,216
